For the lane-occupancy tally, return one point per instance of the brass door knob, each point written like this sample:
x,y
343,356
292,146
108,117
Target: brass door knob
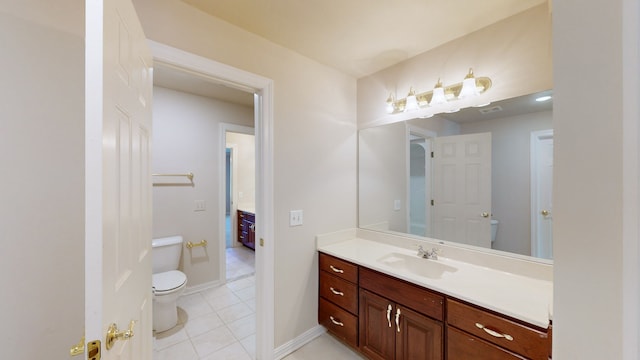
x,y
485,214
544,212
113,334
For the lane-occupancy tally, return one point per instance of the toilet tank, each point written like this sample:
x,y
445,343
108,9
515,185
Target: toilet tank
x,y
165,253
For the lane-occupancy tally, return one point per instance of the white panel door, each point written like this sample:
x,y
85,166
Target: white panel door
x,y
118,179
542,194
462,189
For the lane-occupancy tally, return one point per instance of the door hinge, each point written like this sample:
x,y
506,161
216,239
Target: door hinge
x,y
432,155
77,349
432,202
261,242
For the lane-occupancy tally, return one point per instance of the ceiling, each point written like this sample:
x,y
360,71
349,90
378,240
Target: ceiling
x,y
171,78
358,37
361,37
505,108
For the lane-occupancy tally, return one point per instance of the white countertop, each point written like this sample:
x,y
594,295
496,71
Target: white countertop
x,y
249,209
525,298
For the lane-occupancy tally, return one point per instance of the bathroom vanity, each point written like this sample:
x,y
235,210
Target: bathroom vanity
x,y
247,229
383,300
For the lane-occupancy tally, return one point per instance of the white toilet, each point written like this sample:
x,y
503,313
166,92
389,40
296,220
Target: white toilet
x,y
168,282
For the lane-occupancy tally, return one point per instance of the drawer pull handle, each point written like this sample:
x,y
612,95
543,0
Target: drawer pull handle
x,y
389,314
335,321
335,269
398,319
494,333
336,292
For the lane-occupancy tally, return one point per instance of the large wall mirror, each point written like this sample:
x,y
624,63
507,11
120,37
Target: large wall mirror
x,y
481,176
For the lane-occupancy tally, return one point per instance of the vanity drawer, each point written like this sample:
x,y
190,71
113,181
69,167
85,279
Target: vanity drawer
x,y
339,292
412,296
340,268
527,341
338,321
462,346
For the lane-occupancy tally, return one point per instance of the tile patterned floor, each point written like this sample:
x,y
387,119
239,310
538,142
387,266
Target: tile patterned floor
x,y
322,348
240,262
220,323
217,323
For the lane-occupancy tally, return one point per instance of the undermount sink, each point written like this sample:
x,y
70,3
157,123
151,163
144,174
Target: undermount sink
x,y
432,269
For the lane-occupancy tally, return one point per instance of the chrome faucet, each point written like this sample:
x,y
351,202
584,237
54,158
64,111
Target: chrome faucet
x,y
428,254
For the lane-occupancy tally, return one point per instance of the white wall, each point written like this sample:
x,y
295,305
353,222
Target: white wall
x,y
382,168
511,175
186,139
314,145
245,169
515,53
42,187
596,158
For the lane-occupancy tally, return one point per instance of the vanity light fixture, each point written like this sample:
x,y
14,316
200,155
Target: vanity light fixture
x,y
442,98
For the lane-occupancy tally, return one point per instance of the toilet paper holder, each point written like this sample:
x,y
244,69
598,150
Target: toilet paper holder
x,y
191,245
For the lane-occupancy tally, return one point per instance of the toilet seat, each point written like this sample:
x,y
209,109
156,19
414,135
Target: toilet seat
x,y
168,281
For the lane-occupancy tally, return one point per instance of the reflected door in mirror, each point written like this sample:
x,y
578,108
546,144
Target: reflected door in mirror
x,y
462,189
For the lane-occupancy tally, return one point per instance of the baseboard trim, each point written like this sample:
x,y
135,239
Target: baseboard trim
x,y
200,287
298,342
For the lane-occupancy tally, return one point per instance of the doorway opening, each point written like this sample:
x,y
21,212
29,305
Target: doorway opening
x,y
420,184
240,184
262,90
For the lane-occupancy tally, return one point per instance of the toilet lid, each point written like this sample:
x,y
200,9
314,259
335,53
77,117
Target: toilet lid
x,y
168,281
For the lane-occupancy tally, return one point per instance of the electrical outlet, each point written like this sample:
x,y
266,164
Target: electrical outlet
x,y
396,205
295,217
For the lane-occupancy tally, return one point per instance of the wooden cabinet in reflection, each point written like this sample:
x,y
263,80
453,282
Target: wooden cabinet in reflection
x,y
247,229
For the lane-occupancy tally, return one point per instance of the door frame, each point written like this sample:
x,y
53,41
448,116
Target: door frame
x,y
233,206
428,136
262,88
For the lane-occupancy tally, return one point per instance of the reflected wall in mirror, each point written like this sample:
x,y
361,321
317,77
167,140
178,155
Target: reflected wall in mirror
x,y
481,176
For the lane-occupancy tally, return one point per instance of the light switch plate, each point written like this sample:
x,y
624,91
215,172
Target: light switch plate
x,y
200,205
295,217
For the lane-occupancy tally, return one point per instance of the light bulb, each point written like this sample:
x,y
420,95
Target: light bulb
x,y
412,101
468,86
391,107
438,95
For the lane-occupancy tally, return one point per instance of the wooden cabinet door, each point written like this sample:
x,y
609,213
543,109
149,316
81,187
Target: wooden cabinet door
x,y
417,336
377,337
